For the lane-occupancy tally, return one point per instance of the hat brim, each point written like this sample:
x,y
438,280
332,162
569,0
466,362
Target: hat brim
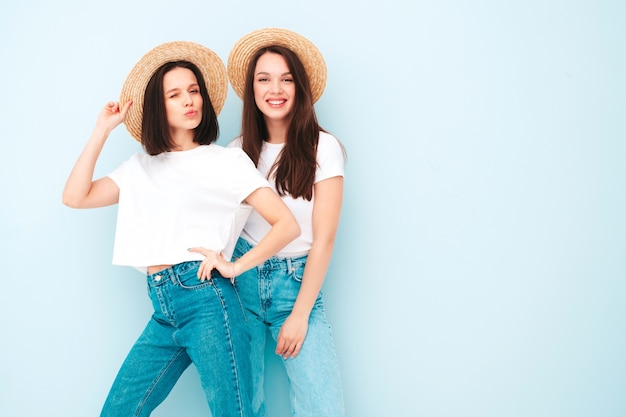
x,y
248,45
208,62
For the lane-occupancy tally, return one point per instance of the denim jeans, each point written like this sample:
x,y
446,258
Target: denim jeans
x,y
193,322
268,294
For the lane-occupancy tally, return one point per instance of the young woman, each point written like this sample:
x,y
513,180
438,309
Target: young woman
x,y
280,75
179,197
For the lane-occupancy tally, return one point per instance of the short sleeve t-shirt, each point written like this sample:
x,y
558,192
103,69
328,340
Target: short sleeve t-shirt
x,y
177,200
330,160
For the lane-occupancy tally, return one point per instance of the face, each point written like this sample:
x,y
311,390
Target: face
x,y
183,102
274,88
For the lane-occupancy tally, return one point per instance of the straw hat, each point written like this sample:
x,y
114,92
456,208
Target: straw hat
x,y
210,65
306,51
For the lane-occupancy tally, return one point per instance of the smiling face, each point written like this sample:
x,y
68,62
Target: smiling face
x,y
274,88
183,102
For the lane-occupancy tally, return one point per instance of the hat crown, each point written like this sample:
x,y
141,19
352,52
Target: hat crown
x,y
311,58
208,62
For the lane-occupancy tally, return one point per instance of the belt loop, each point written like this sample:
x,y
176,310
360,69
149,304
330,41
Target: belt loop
x,y
288,265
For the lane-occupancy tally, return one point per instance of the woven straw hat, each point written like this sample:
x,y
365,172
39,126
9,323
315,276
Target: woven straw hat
x,y
134,88
307,52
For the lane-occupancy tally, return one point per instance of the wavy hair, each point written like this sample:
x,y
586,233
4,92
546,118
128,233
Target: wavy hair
x,y
294,169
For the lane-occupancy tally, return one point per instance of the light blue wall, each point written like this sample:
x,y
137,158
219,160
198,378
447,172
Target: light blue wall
x,y
480,264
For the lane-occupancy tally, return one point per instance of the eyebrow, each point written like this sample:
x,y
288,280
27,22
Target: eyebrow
x,y
267,73
178,89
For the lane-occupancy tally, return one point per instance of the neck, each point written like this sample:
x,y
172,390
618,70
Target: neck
x,y
277,131
183,140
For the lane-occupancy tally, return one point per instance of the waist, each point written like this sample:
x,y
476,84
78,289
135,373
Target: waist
x,y
277,261
158,268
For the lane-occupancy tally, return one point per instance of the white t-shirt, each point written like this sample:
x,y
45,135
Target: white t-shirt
x,y
177,200
330,160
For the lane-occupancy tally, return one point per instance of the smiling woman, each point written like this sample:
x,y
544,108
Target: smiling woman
x,y
478,268
274,90
280,74
183,192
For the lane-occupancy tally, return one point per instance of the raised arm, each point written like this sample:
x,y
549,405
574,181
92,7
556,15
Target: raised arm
x,y
81,191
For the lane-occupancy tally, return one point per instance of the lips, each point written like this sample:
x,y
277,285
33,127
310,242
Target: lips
x,y
191,113
276,102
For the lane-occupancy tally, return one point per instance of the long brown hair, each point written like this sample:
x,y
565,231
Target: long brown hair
x,y
294,169
155,132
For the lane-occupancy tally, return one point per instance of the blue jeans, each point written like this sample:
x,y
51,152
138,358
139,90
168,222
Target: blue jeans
x,y
268,294
193,322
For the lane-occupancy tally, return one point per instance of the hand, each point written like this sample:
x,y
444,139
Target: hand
x,y
112,115
212,260
291,336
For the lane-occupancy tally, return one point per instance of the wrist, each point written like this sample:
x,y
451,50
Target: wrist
x,y
233,273
300,313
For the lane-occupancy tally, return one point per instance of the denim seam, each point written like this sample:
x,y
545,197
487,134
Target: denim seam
x,y
232,350
145,398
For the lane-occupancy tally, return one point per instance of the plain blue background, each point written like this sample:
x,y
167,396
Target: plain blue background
x,y
480,262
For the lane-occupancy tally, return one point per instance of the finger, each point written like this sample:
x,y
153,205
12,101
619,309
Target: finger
x,y
288,352
109,107
281,346
297,350
203,271
202,251
125,108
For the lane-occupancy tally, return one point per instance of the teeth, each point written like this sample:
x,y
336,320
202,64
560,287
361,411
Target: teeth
x,y
275,101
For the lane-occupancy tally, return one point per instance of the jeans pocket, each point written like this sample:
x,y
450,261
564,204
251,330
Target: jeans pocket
x,y
296,271
190,281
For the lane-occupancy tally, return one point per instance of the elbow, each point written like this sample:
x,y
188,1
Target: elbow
x,y
294,228
69,201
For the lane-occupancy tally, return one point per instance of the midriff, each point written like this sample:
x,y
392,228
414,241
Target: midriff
x,y
157,268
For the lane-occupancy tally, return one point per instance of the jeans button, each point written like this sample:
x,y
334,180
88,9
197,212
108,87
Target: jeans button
x,y
157,278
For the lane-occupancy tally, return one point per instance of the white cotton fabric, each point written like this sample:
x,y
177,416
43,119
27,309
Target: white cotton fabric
x,y
330,160
178,200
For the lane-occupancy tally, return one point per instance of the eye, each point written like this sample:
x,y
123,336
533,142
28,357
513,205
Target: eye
x,y
288,80
262,79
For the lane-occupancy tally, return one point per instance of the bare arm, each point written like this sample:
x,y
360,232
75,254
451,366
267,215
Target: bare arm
x,y
81,191
326,212
284,229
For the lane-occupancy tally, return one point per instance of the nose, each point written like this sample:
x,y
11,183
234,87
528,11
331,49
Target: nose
x,y
187,100
276,86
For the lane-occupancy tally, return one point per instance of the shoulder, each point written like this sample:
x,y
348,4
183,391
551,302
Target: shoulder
x,y
329,146
233,156
135,160
221,151
235,143
129,167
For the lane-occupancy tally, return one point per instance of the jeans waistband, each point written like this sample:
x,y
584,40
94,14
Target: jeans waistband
x,y
288,263
274,262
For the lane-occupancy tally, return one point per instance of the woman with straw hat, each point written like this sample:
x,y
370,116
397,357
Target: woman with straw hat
x,y
183,194
279,75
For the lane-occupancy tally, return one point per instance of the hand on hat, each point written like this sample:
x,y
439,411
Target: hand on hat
x,y
112,115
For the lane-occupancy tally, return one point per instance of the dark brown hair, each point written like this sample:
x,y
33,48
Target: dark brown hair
x,y
295,167
155,133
